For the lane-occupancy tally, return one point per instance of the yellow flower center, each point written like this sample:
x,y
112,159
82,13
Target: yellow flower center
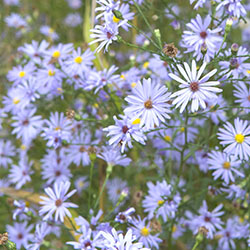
x,y
182,129
59,90
78,60
115,19
22,74
56,54
136,121
226,165
145,65
239,138
16,100
160,202
248,71
145,231
81,184
174,228
133,84
57,128
51,30
51,72
23,147
122,77
27,204
167,138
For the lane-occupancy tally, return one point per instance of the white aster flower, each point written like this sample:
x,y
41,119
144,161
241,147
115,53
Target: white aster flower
x,y
193,88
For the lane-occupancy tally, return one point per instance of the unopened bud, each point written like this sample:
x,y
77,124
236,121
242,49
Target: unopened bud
x,y
229,24
234,48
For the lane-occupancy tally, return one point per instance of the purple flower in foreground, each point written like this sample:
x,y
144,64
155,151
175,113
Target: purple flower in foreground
x,y
233,7
149,103
55,203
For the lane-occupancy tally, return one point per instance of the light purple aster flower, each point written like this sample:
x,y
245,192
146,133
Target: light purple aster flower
x,y
21,73
56,202
42,229
100,79
11,2
124,131
20,174
149,103
73,19
242,93
14,20
233,7
125,216
49,32
193,88
26,125
74,4
143,232
20,234
237,64
113,157
79,63
199,3
210,220
236,137
106,6
81,184
160,201
34,50
20,210
227,235
7,151
58,128
200,36
105,34
224,166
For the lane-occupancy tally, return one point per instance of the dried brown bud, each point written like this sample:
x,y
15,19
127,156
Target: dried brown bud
x,y
3,238
170,50
70,113
203,230
137,196
155,225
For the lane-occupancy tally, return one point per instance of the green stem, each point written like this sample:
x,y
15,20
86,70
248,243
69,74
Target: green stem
x,y
90,183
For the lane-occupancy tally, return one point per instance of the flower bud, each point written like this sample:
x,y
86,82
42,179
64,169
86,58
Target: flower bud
x,y
234,48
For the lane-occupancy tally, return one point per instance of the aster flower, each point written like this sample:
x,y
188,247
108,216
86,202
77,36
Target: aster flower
x,y
227,235
125,216
237,64
26,125
123,131
242,93
58,128
34,50
104,34
14,20
55,202
200,36
115,188
20,210
81,184
74,4
11,2
143,232
149,103
233,7
193,88
106,6
236,137
160,201
20,174
7,151
207,219
73,19
101,78
42,230
20,234
198,4
49,32
224,166
115,241
21,73
79,63
113,157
